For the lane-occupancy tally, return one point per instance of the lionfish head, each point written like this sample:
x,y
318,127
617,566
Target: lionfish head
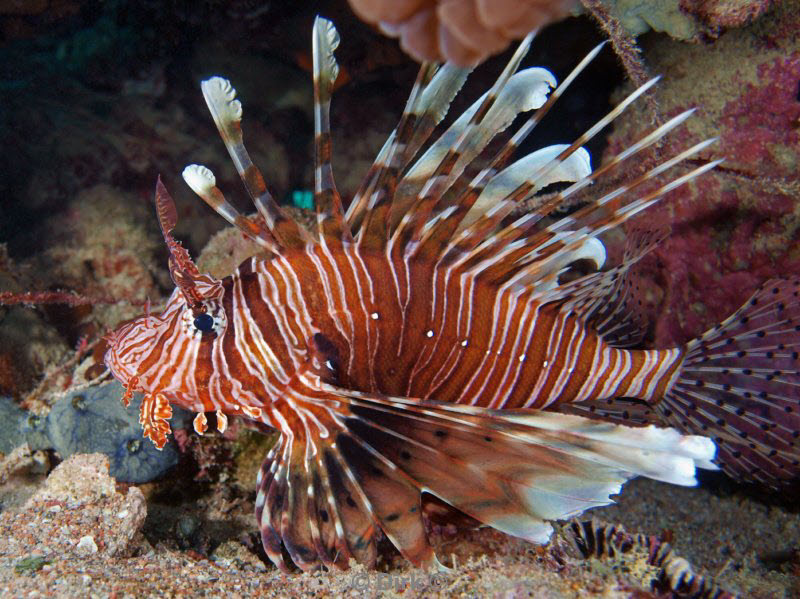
x,y
146,353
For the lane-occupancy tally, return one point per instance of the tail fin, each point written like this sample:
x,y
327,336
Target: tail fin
x,y
740,385
359,462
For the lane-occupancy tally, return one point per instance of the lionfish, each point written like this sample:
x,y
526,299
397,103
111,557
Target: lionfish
x,y
425,339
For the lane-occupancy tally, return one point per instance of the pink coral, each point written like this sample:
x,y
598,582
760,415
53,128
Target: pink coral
x,y
738,225
462,31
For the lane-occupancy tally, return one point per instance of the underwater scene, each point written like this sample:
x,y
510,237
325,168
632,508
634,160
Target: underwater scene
x,y
381,298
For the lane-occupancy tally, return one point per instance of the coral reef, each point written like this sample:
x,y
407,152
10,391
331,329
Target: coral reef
x,y
639,16
718,14
739,225
102,246
28,345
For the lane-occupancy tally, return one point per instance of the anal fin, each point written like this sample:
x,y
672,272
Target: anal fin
x,y
619,410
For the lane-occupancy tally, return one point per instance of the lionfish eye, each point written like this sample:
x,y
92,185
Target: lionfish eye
x,y
204,323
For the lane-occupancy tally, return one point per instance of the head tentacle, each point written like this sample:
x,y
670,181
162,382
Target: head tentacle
x,y
182,269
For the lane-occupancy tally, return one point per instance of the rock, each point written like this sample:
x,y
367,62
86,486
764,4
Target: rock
x,y
86,545
94,420
77,481
94,517
10,434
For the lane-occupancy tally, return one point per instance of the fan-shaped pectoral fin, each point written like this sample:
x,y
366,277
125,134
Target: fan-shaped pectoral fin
x,y
323,495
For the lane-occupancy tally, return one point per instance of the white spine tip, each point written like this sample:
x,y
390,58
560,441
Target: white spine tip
x,y
326,28
199,178
325,41
220,96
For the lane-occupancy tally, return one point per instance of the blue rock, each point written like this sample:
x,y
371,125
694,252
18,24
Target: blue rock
x,y
34,431
94,420
11,416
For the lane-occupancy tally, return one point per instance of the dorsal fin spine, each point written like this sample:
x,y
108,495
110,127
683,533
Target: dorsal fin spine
x,y
571,239
442,178
226,110
446,228
327,201
524,224
203,183
430,98
473,239
380,193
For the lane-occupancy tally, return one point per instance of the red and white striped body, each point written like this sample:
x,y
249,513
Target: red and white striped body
x,y
398,328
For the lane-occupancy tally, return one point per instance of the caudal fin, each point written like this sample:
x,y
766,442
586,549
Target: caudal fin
x,y
740,385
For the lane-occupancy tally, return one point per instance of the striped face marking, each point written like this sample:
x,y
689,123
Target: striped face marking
x,y
162,352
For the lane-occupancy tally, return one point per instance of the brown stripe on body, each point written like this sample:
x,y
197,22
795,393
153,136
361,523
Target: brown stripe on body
x,y
237,370
665,364
556,358
497,355
635,363
263,317
442,323
666,376
279,288
350,298
510,357
389,285
582,368
300,266
202,373
475,327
